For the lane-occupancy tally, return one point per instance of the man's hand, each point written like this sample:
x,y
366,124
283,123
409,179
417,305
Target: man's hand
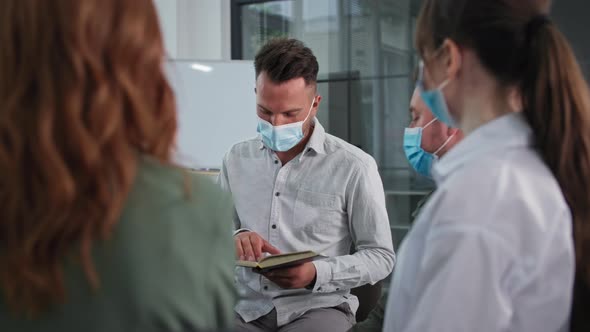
x,y
299,276
250,246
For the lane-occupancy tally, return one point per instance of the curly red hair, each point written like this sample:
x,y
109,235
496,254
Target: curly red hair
x,y
83,94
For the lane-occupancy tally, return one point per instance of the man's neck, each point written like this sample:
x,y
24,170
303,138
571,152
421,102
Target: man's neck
x,y
287,156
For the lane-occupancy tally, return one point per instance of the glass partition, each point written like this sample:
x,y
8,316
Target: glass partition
x,y
367,60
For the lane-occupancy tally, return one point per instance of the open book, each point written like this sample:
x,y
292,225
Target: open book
x,y
280,261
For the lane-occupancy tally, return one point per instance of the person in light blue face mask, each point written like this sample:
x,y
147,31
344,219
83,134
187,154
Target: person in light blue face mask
x,y
427,138
434,98
503,240
285,137
298,188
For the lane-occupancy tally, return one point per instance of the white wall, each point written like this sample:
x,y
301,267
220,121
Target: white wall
x,y
196,29
197,33
216,108
167,9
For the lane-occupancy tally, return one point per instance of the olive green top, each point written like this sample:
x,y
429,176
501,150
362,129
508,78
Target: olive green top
x,y
168,265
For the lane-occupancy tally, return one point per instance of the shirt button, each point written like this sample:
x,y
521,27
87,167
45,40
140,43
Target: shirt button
x,y
274,226
276,161
278,194
265,287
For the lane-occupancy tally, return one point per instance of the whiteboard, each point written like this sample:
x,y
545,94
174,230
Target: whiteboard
x,y
216,107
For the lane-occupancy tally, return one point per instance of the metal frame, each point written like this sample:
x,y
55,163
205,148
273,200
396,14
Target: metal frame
x,y
236,25
350,77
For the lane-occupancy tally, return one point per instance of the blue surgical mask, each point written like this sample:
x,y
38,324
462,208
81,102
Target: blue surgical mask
x,y
420,160
282,138
435,99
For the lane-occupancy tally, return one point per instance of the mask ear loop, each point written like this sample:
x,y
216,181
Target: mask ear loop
x,y
443,145
420,80
309,113
307,117
429,123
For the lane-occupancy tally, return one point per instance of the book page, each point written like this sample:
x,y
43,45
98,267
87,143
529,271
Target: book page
x,y
282,259
247,263
278,260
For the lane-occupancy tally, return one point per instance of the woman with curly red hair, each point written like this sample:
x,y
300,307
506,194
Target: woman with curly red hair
x,y
98,230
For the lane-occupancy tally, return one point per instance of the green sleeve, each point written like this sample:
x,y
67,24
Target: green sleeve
x,y
223,268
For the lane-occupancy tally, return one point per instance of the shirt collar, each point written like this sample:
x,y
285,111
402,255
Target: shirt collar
x,y
507,131
261,146
318,138
316,142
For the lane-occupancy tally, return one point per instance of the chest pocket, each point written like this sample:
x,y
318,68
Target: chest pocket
x,y
319,213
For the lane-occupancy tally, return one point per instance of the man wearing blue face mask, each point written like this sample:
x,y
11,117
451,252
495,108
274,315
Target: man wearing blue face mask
x,y
427,138
425,141
298,188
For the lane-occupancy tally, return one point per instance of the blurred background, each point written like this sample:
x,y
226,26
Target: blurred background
x,y
366,57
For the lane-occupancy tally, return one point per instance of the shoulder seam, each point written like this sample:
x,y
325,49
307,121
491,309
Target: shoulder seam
x,y
365,161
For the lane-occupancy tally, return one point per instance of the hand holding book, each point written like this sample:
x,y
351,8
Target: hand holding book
x,y
298,276
279,261
290,271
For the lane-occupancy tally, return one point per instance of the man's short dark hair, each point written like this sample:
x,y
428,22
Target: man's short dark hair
x,y
285,59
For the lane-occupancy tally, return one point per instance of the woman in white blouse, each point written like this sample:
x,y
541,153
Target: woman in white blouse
x,y
493,248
